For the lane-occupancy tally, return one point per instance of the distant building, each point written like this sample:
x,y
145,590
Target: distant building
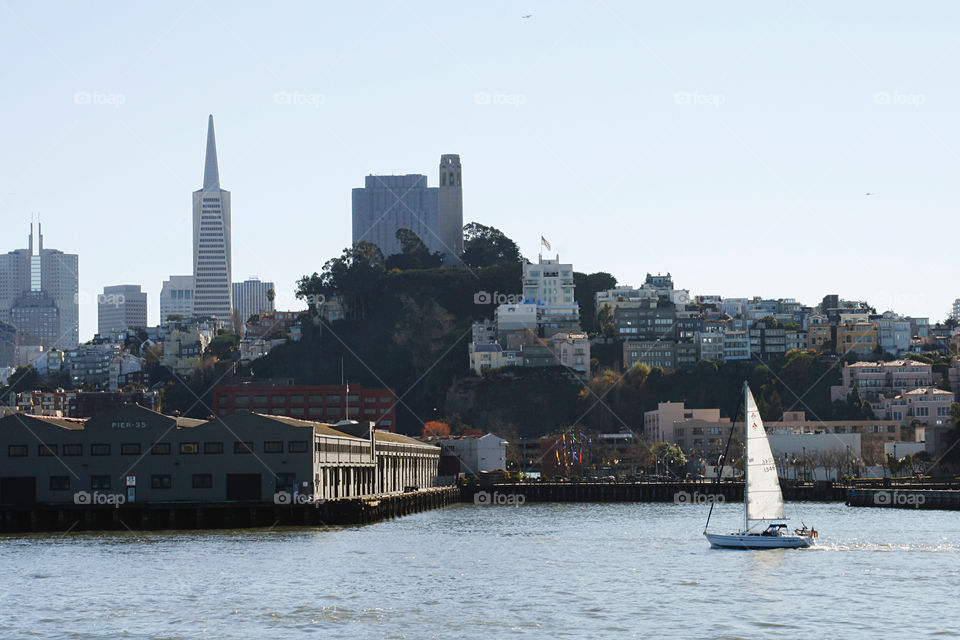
x,y
475,453
82,404
926,405
8,345
857,337
253,297
876,379
120,308
386,204
658,425
176,297
212,255
327,403
39,294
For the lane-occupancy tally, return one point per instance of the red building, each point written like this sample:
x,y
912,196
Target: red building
x,y
328,403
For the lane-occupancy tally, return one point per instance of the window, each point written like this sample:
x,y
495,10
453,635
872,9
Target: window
x,y
333,398
273,446
189,448
212,448
59,483
100,450
47,450
160,449
298,446
296,399
161,482
296,411
242,447
315,398
73,449
202,481
259,399
279,399
130,449
242,400
99,482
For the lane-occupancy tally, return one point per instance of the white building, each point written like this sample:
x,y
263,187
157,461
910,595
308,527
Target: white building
x,y
176,297
212,259
476,454
548,283
121,307
253,297
819,456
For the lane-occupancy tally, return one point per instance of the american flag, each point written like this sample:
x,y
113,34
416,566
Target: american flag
x,y
544,242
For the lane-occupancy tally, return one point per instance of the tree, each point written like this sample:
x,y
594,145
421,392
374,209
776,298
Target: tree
x,y
586,286
357,275
414,254
486,246
435,429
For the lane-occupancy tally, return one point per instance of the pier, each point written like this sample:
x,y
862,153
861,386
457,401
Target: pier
x,y
678,492
222,515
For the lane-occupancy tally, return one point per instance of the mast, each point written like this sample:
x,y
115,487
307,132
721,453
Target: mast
x,y
746,459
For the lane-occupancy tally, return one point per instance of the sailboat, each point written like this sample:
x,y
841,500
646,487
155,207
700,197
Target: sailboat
x,y
762,498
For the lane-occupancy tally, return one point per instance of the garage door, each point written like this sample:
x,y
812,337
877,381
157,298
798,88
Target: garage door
x,y
18,490
243,486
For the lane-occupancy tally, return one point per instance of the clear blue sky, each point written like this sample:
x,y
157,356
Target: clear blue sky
x,y
731,145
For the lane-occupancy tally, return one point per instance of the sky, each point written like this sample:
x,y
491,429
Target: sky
x,y
731,145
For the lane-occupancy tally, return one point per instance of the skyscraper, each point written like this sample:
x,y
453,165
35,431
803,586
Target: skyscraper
x,y
252,297
121,307
212,293
386,204
39,294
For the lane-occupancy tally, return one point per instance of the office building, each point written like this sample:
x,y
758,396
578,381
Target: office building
x,y
39,294
121,308
253,297
386,204
212,290
176,297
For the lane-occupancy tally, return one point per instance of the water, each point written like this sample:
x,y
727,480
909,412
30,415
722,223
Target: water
x,y
466,571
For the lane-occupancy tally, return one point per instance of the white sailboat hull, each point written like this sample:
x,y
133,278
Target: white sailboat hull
x,y
757,541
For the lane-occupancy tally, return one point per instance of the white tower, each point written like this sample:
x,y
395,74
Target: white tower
x,y
212,290
450,209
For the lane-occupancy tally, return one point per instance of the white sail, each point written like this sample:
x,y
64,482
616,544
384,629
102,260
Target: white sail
x,y
762,489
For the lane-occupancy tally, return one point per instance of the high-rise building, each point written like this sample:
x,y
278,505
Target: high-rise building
x,y
176,297
253,297
212,291
386,204
39,294
121,307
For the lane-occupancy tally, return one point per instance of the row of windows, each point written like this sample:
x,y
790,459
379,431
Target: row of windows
x,y
157,449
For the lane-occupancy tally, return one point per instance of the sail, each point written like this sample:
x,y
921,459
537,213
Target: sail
x,y
762,490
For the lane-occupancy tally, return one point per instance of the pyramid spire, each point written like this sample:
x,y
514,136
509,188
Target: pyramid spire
x,y
211,174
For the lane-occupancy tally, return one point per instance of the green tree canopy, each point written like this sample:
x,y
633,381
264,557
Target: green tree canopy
x,y
485,246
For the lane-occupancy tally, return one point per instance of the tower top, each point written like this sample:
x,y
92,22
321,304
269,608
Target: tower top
x,y
211,173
